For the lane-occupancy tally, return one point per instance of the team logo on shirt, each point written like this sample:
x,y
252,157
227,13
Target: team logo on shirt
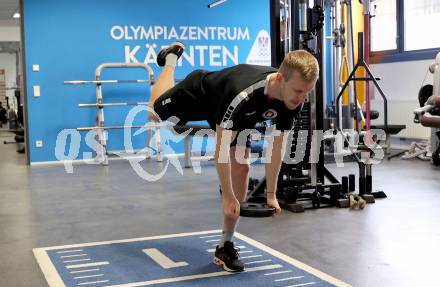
x,y
270,114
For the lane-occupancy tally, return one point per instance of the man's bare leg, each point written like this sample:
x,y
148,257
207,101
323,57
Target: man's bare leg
x,y
226,254
165,81
240,171
167,58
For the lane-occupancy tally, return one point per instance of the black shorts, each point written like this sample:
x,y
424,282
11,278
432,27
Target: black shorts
x,y
184,102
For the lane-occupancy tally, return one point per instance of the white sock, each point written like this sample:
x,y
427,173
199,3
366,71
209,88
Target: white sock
x,y
171,60
227,235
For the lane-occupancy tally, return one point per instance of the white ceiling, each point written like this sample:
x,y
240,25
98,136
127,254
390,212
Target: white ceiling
x,y
8,8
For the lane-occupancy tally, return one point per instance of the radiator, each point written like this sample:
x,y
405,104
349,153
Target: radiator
x,y
401,113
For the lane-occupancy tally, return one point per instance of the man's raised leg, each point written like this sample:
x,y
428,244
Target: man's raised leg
x,y
167,58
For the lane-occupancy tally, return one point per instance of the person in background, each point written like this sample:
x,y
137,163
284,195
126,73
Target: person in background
x,y
3,112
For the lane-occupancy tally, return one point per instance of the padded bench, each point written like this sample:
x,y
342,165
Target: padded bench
x,y
256,146
194,129
391,130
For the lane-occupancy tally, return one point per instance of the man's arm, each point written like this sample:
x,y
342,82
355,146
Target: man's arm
x,y
222,161
231,206
273,165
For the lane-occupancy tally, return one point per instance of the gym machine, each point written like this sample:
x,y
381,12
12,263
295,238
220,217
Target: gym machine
x,y
301,183
428,115
307,183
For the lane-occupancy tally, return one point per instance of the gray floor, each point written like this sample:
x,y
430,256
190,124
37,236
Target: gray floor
x,y
395,242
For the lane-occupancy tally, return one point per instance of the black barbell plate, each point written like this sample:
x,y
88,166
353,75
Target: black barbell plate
x,y
250,209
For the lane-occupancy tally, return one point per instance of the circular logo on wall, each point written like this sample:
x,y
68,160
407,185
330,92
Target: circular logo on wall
x,y
270,114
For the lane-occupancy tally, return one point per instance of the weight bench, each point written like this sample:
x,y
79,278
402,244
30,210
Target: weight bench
x,y
390,130
194,129
256,147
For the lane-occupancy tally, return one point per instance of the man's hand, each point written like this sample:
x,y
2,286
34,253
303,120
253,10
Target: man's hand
x,y
273,202
273,166
231,206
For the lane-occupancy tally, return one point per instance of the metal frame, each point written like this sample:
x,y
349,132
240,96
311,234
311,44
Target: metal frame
x,y
102,152
370,77
23,88
275,31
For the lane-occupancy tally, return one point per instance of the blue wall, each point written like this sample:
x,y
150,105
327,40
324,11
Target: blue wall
x,y
69,39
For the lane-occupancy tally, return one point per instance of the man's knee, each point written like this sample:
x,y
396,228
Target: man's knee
x,y
153,118
240,156
153,114
240,169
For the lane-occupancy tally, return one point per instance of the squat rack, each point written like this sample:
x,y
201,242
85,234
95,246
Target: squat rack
x,y
102,151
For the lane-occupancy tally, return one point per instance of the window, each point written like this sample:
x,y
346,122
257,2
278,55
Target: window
x,y
404,30
384,26
422,18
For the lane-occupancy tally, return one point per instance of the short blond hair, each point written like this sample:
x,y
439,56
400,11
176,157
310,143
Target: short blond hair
x,y
301,61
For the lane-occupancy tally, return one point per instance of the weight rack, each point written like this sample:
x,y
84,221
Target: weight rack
x,y
102,151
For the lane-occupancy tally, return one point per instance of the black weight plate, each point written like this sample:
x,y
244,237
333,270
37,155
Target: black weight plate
x,y
249,209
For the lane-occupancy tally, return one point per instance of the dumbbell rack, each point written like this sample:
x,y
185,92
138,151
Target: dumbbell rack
x,y
102,152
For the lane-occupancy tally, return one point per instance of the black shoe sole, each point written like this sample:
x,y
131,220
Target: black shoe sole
x,y
219,262
176,48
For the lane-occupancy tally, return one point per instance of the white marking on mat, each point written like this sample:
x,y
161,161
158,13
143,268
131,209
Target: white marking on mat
x,y
162,259
193,277
210,236
50,272
279,272
213,250
88,276
83,271
87,265
70,251
92,283
70,256
288,278
252,256
304,284
77,260
261,261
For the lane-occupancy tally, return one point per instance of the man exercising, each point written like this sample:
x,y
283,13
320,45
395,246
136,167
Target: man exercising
x,y
233,100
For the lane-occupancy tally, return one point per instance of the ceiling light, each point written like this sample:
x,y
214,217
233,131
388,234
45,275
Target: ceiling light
x,y
16,15
215,3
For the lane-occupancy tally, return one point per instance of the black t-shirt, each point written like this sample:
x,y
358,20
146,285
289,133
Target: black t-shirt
x,y
235,99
